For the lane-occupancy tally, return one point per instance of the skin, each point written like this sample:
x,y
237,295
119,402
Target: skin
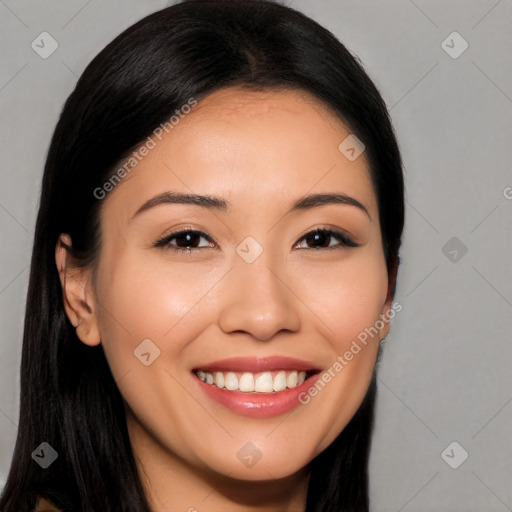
x,y
261,151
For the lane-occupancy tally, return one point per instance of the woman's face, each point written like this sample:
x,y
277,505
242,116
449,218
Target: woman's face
x,y
257,300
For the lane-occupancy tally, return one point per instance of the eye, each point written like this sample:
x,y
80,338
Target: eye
x,y
323,237
186,240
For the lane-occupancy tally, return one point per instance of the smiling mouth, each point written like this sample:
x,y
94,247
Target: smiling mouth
x,y
260,382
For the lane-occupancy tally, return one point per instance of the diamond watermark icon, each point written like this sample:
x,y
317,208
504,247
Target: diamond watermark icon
x,y
454,249
454,455
249,249
44,455
44,45
351,147
146,352
454,45
249,454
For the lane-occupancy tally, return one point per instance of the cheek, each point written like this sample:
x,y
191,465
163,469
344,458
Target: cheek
x,y
347,300
151,298
346,297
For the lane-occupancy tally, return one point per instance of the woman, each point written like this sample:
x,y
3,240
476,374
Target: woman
x,y
214,265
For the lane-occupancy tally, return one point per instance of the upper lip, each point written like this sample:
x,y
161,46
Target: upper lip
x,y
258,364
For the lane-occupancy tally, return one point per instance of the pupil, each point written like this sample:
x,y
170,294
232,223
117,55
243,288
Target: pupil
x,y
318,237
186,237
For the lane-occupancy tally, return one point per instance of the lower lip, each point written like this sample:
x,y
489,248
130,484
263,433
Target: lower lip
x,y
257,405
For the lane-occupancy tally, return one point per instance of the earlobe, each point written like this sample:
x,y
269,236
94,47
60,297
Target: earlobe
x,y
88,333
77,293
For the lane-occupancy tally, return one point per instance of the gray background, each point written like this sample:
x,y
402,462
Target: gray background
x,y
445,371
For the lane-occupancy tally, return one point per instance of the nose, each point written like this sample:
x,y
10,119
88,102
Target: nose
x,y
258,300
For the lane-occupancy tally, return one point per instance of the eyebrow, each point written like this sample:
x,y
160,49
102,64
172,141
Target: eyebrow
x,y
222,205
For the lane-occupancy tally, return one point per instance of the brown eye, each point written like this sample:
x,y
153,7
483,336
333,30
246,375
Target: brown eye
x,y
186,240
322,238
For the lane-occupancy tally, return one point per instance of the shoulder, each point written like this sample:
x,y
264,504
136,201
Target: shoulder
x,y
45,505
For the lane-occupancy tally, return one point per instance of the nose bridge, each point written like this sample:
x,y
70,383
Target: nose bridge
x,y
255,298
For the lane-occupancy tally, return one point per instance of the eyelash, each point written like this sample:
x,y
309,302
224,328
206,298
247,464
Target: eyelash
x,y
344,240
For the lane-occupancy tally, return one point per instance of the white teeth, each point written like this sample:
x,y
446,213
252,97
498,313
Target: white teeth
x,y
280,381
291,381
249,382
231,382
246,382
219,380
264,383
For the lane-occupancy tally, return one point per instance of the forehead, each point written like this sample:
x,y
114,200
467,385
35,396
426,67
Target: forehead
x,y
250,102
247,145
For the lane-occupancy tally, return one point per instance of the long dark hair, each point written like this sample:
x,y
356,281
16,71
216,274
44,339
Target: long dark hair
x,y
69,398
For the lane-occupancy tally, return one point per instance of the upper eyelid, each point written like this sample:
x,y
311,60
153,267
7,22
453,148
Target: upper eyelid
x,y
164,239
335,231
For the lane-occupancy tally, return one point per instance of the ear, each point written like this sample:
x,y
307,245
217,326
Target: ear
x,y
77,293
388,311
386,314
